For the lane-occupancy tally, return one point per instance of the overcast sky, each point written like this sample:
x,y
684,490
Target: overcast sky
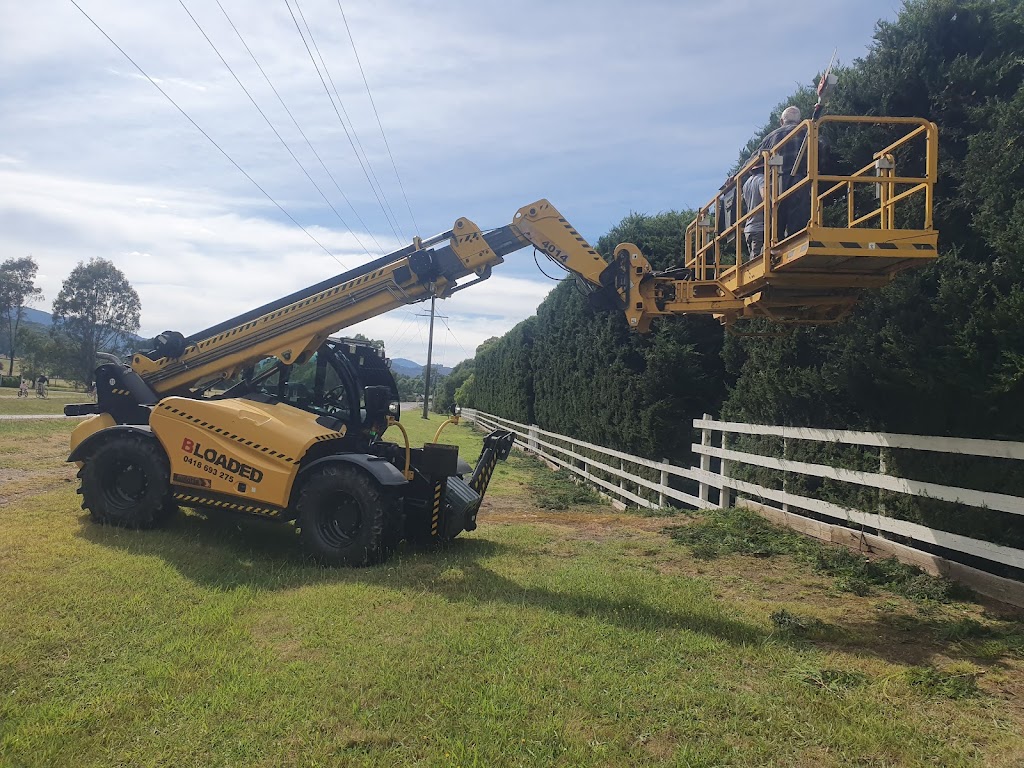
x,y
604,107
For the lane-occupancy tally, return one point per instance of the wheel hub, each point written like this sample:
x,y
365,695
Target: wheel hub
x,y
339,519
126,484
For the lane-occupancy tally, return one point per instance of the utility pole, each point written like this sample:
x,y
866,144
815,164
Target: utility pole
x,y
430,352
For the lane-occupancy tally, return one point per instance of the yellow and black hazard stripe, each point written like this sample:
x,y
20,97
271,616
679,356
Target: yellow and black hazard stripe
x,y
480,482
218,503
849,245
577,235
228,434
237,339
435,515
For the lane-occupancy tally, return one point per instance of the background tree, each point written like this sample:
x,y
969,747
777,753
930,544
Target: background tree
x,y
98,310
464,395
49,353
378,343
409,387
445,394
17,291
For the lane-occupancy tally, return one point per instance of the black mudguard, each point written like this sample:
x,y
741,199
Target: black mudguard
x,y
86,446
382,470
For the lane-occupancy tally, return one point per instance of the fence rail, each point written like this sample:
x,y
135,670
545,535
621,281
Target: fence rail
x,y
630,479
531,438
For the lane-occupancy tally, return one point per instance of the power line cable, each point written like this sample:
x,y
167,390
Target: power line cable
x,y
456,338
377,115
395,332
299,127
397,343
271,125
348,135
351,122
208,137
399,337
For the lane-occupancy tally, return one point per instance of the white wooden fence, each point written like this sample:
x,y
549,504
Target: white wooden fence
x,y
646,483
630,470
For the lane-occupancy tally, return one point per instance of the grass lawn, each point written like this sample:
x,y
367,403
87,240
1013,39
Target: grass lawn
x,y
12,405
567,637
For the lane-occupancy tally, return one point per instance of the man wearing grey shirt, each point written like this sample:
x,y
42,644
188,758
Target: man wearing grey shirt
x,y
753,228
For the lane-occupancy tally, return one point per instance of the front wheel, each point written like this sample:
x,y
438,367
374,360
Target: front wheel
x,y
346,518
126,482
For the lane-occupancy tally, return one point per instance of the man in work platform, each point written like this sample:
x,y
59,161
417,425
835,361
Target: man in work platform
x,y
795,211
753,227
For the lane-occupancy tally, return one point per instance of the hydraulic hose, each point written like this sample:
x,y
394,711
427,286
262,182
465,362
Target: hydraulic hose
x,y
408,449
451,420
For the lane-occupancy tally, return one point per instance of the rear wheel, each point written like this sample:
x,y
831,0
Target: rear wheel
x,y
125,482
346,518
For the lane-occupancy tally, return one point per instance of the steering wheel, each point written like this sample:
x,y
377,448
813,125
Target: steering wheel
x,y
329,394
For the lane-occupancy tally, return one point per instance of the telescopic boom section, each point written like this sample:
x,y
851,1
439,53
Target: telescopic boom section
x,y
292,327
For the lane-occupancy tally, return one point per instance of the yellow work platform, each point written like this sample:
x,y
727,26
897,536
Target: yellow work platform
x,y
862,228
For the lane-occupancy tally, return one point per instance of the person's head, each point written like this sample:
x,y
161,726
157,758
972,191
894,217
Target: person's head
x,y
790,116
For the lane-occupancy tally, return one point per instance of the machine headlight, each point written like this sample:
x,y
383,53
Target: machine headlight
x,y
394,409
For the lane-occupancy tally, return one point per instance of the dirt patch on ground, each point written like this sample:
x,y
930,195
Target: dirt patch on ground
x,y
596,523
279,636
16,484
35,463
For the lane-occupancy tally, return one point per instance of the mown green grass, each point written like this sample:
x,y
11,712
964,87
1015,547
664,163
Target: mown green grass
x,y
213,642
12,405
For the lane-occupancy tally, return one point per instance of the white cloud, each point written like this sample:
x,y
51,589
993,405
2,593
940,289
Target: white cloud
x,y
193,259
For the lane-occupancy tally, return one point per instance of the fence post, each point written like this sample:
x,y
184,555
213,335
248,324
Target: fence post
x,y
532,439
705,461
663,482
725,500
785,474
882,469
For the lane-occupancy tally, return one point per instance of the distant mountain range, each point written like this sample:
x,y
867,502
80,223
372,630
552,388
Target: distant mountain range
x,y
38,316
45,319
410,368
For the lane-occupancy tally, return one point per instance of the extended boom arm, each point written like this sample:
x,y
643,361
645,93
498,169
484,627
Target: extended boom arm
x,y
293,327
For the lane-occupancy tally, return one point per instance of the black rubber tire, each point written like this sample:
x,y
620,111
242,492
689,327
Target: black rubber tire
x,y
346,518
126,482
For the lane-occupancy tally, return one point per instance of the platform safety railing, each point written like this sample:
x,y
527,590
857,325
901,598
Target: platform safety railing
x,y
714,241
